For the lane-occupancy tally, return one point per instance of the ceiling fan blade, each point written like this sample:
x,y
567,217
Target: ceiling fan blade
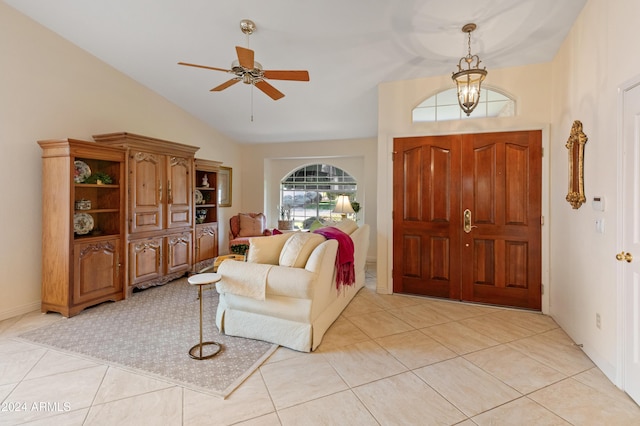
x,y
287,75
203,66
245,57
271,91
225,85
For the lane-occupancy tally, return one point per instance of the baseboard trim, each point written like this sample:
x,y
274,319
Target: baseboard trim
x,y
19,310
603,365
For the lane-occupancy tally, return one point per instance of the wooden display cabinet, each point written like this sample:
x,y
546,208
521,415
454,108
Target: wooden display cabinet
x,y
82,225
138,227
206,213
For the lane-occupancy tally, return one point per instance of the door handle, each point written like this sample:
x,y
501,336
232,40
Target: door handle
x,y
467,221
624,256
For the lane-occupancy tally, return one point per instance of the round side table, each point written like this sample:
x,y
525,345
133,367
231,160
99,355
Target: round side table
x,y
202,280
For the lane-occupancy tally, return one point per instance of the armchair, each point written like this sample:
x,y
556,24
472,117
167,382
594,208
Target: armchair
x,y
244,226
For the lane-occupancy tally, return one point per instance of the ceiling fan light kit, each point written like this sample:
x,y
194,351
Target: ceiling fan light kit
x,y
469,80
249,71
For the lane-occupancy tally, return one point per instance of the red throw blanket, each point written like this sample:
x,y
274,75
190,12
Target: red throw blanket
x,y
345,268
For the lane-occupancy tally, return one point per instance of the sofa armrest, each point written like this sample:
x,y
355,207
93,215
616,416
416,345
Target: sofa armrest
x,y
319,257
290,282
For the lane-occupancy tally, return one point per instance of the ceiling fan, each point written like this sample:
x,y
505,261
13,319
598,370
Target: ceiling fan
x,y
249,71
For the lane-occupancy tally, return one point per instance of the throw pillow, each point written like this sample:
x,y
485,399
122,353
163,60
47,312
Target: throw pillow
x,y
346,225
251,226
298,248
267,249
315,225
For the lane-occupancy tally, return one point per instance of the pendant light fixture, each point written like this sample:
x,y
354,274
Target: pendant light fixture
x,y
468,80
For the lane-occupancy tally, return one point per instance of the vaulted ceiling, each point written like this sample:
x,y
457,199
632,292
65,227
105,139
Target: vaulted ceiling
x,y
348,47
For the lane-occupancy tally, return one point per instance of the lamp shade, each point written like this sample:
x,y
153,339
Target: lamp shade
x,y
343,205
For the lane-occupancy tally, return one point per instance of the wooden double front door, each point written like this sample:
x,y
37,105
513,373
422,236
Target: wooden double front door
x,y
467,217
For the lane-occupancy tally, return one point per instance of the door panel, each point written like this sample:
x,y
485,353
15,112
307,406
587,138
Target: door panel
x,y
145,257
97,266
429,179
145,173
179,252
482,183
497,178
504,170
179,192
630,243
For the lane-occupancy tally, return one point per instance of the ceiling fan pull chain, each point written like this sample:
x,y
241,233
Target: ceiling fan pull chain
x,y
252,103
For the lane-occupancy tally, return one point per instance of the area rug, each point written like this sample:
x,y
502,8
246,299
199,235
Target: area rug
x,y
151,333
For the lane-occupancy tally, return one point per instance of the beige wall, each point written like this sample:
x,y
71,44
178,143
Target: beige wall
x,y
51,89
598,57
265,165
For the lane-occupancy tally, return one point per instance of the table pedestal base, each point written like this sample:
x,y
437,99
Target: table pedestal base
x,y
197,351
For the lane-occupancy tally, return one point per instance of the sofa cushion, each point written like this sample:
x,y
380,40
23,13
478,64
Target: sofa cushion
x,y
251,226
296,250
267,249
346,225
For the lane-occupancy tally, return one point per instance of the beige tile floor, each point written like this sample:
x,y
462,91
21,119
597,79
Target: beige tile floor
x,y
388,360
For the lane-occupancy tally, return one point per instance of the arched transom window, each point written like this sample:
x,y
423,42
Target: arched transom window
x,y
443,106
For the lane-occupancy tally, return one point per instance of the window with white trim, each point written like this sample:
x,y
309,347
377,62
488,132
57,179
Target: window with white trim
x,y
310,193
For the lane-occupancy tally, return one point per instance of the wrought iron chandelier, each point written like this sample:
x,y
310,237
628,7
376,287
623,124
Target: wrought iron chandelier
x,y
468,80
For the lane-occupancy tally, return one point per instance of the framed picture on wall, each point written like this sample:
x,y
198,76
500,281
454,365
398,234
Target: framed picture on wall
x,y
224,186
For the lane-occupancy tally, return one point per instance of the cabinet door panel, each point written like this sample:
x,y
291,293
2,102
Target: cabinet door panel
x,y
206,243
97,270
179,192
179,252
146,191
145,258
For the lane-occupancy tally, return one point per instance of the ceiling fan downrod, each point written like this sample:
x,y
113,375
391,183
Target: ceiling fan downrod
x,y
247,26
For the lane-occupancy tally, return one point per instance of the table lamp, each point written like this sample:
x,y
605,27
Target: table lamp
x,y
343,206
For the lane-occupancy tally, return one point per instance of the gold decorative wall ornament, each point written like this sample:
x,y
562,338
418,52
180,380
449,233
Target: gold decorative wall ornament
x,y
575,145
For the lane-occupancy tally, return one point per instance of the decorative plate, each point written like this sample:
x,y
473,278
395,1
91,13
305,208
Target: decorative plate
x,y
82,223
199,197
82,171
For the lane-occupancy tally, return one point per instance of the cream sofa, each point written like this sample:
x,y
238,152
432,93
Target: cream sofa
x,y
294,305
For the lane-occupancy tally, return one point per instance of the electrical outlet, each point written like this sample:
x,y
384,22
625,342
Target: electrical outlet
x,y
598,322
